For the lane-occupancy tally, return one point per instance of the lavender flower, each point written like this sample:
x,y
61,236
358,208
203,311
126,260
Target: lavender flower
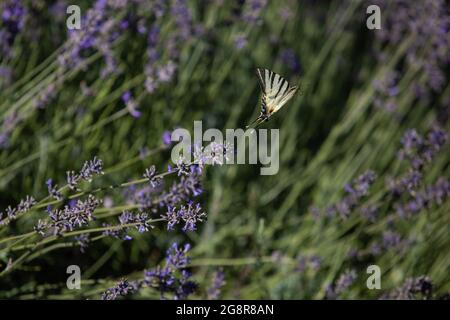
x,y
434,194
177,256
240,41
41,227
183,18
182,167
150,173
47,95
166,72
391,240
13,20
166,138
291,60
345,281
252,10
83,241
70,218
53,190
174,277
413,288
429,24
99,32
342,284
354,192
90,169
121,289
314,262
408,189
218,282
12,212
386,90
370,212
131,104
190,215
9,124
140,220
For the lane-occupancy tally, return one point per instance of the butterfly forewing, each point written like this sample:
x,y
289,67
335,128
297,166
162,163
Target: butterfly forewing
x,y
276,91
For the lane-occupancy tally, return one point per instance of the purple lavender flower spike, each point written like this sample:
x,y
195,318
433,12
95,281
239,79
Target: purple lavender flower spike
x,y
291,60
123,288
166,138
83,241
218,282
190,215
53,190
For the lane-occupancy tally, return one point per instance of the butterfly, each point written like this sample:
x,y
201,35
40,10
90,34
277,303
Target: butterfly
x,y
276,91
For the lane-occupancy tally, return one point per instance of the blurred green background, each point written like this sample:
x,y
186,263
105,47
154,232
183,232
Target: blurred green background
x,y
350,118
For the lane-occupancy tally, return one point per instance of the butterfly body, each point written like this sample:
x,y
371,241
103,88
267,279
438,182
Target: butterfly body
x,y
276,91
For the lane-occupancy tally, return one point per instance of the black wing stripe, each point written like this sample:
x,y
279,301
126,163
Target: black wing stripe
x,y
286,90
283,82
272,78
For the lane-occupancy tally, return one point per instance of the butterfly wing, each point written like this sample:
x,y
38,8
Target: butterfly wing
x,y
290,92
276,91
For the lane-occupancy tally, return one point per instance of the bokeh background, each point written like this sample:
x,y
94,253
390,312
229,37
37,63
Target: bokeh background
x,y
364,164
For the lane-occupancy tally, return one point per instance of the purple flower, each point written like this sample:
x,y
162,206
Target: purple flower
x,y
70,218
345,281
126,97
174,277
176,256
53,190
190,215
391,240
411,140
13,20
252,10
41,227
429,24
131,105
370,212
413,288
90,169
355,191
183,19
167,138
23,207
161,278
183,167
150,174
140,220
240,42
290,59
218,282
153,36
83,241
166,72
342,284
121,289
